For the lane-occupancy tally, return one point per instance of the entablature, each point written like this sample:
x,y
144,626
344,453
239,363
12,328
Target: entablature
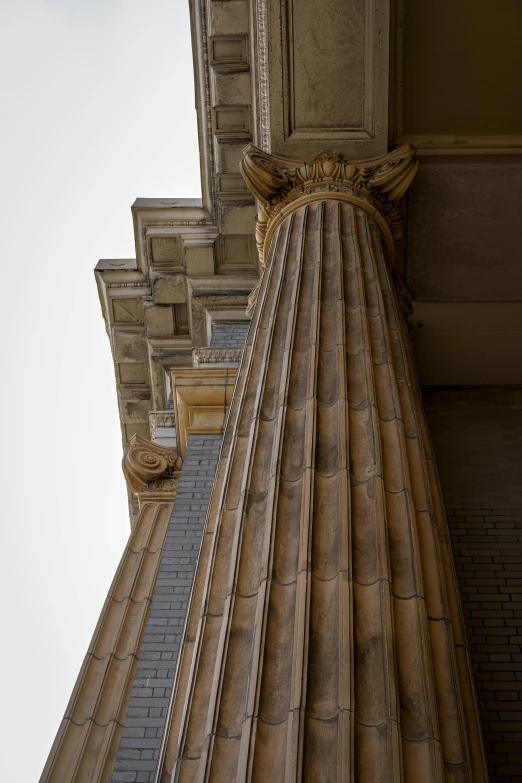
x,y
161,305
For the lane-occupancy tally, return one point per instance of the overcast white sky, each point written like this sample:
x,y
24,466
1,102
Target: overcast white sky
x,y
97,109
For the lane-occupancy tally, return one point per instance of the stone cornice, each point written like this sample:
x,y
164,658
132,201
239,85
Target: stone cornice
x,y
158,306
374,185
150,468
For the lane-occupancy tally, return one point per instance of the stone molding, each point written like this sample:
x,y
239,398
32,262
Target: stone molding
x,y
87,741
150,468
160,419
262,73
204,356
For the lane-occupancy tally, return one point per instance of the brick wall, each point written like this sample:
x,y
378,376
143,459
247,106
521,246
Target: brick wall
x,y
141,736
231,335
477,437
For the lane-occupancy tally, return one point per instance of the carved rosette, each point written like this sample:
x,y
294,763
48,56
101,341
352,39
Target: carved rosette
x,y
374,185
149,467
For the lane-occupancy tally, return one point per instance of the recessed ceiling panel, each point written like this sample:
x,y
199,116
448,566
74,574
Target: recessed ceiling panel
x,y
462,67
328,77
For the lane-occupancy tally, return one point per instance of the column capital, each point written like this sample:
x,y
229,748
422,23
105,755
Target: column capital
x,y
375,186
150,468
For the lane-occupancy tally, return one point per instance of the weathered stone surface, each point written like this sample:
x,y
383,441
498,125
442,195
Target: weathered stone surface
x,y
199,260
170,289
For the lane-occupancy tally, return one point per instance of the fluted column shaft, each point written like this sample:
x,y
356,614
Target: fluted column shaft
x,y
85,747
86,744
326,641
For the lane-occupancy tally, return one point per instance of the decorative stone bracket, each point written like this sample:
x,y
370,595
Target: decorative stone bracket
x,y
151,468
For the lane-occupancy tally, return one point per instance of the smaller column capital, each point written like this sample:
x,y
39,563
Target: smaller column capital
x,y
149,468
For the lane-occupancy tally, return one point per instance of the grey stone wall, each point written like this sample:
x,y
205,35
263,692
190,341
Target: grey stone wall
x,y
231,335
477,437
145,721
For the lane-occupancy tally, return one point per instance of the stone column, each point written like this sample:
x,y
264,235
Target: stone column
x,y
325,640
85,747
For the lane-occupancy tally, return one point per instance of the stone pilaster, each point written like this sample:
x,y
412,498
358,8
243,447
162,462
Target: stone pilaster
x,y
85,747
325,639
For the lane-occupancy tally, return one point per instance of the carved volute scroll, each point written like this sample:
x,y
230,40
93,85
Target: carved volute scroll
x,y
149,467
373,185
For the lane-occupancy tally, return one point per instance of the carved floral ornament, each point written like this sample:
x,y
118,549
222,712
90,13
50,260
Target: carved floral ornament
x,y
374,185
149,467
